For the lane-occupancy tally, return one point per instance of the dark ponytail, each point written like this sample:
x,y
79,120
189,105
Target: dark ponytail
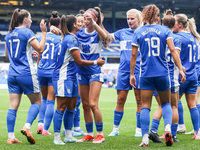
x,y
64,29
18,18
67,24
13,22
55,19
168,19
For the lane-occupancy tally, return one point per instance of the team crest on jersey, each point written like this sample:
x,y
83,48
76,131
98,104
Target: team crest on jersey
x,y
75,41
92,38
79,77
68,91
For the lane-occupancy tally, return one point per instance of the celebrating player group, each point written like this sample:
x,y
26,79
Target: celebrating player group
x,y
155,60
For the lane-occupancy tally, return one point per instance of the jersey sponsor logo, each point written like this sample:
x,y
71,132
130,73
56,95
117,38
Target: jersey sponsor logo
x,y
86,48
92,39
68,91
79,77
180,42
128,45
75,41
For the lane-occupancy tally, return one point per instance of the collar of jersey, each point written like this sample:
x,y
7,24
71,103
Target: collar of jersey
x,y
89,33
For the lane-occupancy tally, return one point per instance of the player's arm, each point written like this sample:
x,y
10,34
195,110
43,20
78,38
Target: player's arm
x,y
6,51
39,46
132,65
101,32
176,57
80,62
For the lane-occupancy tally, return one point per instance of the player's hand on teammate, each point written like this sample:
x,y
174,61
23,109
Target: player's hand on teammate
x,y
55,30
132,81
100,61
183,77
35,53
43,26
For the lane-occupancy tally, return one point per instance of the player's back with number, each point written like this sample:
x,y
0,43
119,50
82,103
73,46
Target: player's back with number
x,y
188,52
20,51
50,54
152,40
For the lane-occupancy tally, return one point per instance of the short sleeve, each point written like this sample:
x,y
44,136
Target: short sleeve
x,y
168,34
73,43
135,40
30,35
177,43
116,35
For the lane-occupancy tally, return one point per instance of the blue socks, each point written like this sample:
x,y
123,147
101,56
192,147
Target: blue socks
x,y
89,127
57,120
77,115
138,120
99,126
174,129
118,117
145,120
198,107
49,114
154,125
195,118
68,119
42,110
32,113
180,113
11,117
167,113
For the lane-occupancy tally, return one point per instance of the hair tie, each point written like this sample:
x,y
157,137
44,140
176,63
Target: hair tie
x,y
18,10
187,19
79,15
92,13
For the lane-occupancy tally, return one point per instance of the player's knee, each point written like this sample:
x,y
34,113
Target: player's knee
x,y
85,106
93,106
139,102
121,100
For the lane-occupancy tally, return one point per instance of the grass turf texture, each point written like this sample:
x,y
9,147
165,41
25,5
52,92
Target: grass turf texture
x,y
125,140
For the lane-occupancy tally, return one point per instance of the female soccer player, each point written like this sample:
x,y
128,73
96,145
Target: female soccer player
x,y
152,40
80,19
77,130
64,78
22,76
169,21
45,71
124,36
91,78
193,30
187,55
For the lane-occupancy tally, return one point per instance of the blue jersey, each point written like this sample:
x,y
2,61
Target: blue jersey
x,y
187,55
49,56
198,54
90,49
66,67
125,36
20,51
173,69
151,40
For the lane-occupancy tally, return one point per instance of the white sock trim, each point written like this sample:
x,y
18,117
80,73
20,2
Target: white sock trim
x,y
28,125
11,135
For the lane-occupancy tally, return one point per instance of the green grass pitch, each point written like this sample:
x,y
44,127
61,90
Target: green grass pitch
x,y
125,140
